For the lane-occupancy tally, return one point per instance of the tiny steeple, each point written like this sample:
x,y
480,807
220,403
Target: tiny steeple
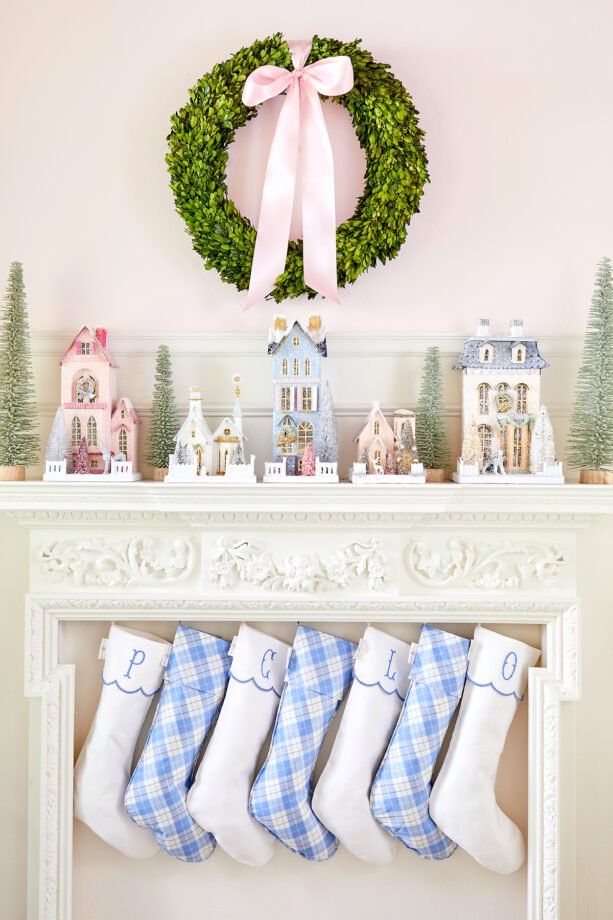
x,y
237,411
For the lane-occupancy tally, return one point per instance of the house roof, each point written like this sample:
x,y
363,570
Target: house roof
x,y
227,422
373,411
320,345
502,354
129,409
99,345
196,418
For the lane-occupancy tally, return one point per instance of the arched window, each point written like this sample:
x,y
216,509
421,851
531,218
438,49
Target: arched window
x,y
377,427
504,399
522,397
485,436
519,354
517,451
305,434
484,399
76,431
296,366
123,442
307,367
284,369
92,432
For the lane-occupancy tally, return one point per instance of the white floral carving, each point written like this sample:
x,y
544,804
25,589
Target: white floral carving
x,y
113,563
482,565
242,561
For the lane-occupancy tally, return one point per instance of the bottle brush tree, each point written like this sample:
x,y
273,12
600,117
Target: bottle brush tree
x,y
58,445
326,447
164,419
81,463
406,455
590,441
308,460
238,455
542,443
430,430
19,442
472,451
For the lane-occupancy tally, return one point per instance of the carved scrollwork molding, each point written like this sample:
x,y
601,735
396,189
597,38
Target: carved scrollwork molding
x,y
488,566
97,562
241,561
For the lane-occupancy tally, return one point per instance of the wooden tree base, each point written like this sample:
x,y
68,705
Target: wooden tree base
x,y
12,473
436,475
596,477
158,474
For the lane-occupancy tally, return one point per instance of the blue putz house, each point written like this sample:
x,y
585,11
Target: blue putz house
x,y
297,355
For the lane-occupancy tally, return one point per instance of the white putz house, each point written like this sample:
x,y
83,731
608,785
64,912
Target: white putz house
x,y
501,391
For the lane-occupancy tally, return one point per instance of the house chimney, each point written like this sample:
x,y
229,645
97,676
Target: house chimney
x,y
517,328
101,336
483,328
314,322
195,395
279,323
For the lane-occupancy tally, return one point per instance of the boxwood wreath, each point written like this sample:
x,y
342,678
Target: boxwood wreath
x,y
386,125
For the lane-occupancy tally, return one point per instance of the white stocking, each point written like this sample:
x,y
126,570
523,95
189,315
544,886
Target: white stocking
x,y
463,800
219,798
133,671
341,798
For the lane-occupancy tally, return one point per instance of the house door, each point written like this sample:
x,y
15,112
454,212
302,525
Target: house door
x,y
225,454
518,444
199,457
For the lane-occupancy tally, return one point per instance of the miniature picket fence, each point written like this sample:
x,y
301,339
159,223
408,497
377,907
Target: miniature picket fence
x,y
552,474
326,471
359,474
241,472
273,470
181,472
55,469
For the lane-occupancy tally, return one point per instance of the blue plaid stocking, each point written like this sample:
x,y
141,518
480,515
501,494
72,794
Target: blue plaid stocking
x,y
400,792
191,696
318,676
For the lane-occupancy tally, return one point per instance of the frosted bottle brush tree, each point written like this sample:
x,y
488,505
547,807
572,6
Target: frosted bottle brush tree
x,y
406,454
58,445
164,417
326,447
430,430
590,442
19,443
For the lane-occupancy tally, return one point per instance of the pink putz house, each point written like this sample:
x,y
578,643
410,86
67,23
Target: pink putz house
x,y
124,431
377,438
88,396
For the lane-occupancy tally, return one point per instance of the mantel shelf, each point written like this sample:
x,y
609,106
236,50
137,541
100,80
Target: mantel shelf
x,y
574,500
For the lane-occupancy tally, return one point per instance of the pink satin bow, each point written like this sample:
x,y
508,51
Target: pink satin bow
x,y
301,127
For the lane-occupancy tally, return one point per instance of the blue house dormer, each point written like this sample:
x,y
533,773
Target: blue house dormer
x,y
296,355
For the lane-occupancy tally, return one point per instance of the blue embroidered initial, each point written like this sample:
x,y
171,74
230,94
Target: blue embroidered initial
x,y
269,654
509,666
135,660
389,664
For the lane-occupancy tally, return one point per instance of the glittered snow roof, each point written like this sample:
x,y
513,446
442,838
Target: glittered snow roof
x,y
502,354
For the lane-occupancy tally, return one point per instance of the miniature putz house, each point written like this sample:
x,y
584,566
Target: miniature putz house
x,y
378,439
88,401
296,355
501,397
201,452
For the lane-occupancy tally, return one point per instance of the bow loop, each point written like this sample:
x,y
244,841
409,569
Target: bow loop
x,y
301,127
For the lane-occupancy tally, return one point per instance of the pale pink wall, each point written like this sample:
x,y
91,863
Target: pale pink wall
x,y
515,100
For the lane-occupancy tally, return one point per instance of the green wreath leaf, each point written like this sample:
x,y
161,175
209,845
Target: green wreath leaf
x,y
386,124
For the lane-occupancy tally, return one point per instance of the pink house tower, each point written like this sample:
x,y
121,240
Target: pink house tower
x,y
88,398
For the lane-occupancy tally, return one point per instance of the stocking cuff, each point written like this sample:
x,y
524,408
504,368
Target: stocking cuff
x,y
321,662
441,661
133,662
500,663
383,662
198,660
259,659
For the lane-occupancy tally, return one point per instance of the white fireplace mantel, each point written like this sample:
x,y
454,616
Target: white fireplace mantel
x,y
441,553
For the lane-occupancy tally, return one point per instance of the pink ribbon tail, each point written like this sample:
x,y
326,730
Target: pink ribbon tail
x,y
300,127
